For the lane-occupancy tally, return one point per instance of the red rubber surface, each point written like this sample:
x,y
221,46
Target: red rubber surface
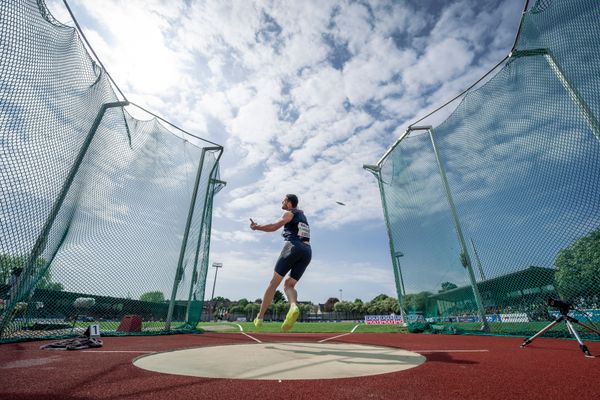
x,y
547,369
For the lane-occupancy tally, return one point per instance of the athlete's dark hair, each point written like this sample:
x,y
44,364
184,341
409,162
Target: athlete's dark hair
x,y
293,199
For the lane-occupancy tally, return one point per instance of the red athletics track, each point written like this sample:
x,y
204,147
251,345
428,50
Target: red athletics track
x,y
548,369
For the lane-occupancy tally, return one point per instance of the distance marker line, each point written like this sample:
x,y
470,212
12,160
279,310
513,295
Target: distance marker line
x,y
244,333
344,334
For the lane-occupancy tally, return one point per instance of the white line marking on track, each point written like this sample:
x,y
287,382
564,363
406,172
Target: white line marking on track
x,y
245,334
450,351
335,337
251,337
117,351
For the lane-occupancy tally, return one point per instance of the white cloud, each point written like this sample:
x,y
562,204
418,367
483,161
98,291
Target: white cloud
x,y
321,88
233,236
256,75
442,61
141,31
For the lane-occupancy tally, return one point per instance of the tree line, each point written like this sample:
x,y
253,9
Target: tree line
x,y
577,275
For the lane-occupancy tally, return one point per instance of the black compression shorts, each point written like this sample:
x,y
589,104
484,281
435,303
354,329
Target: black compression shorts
x,y
295,256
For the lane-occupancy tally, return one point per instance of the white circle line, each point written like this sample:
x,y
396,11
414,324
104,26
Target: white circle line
x,y
285,361
450,351
118,351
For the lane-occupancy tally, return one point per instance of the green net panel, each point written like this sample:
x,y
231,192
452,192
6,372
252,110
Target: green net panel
x,y
104,219
497,209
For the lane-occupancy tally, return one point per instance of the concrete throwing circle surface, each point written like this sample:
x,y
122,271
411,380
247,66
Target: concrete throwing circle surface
x,y
286,361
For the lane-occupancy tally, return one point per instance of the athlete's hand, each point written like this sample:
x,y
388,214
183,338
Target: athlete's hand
x,y
253,224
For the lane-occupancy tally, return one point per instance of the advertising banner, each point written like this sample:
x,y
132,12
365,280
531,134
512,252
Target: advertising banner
x,y
383,319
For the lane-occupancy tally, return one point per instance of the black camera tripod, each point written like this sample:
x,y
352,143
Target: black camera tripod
x,y
569,321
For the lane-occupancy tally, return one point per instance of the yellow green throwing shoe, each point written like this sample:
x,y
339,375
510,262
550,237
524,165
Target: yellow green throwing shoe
x,y
290,318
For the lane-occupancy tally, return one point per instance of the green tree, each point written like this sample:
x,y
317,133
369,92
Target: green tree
x,y
447,286
374,307
381,304
390,305
578,267
343,307
236,309
251,310
154,297
239,306
416,301
307,308
46,283
380,297
278,296
8,263
358,306
280,308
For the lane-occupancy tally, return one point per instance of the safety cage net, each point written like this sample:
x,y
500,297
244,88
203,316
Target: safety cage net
x,y
497,209
104,219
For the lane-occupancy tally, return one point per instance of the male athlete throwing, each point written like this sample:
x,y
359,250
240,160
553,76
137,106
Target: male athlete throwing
x,y
295,257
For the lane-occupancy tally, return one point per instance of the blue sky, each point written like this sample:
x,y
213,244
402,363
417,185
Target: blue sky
x,y
301,95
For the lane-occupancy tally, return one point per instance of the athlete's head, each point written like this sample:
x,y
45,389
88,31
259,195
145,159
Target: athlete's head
x,y
289,201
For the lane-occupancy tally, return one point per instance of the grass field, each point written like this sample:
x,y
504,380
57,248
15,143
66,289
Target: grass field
x,y
504,329
299,327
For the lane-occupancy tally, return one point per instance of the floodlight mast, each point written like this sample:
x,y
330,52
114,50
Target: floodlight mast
x,y
216,265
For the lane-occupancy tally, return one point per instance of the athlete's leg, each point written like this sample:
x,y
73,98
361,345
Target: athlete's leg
x,y
294,311
297,270
290,290
269,294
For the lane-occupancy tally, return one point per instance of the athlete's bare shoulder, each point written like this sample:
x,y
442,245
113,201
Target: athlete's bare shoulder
x,y
287,216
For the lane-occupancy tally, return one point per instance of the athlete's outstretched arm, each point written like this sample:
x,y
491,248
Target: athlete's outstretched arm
x,y
285,218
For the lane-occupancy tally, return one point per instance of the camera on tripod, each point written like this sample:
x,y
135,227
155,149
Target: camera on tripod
x,y
564,307
564,316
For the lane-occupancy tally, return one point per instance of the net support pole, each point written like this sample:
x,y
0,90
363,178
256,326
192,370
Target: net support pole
x,y
574,95
204,232
478,260
585,110
195,289
402,312
186,232
200,290
195,270
465,259
26,282
376,170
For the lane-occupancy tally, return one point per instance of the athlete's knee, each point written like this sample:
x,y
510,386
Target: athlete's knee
x,y
290,283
